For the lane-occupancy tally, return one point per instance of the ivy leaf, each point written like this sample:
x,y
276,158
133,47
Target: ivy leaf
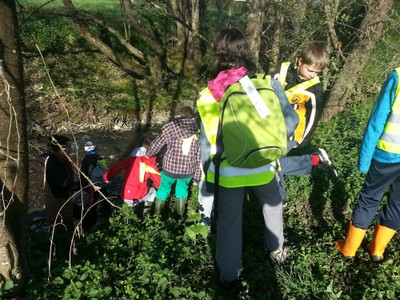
x,y
67,274
78,284
162,283
93,293
194,218
329,288
77,294
190,233
84,276
177,291
8,285
203,231
58,281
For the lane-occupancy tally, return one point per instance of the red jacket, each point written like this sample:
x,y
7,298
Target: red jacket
x,y
138,170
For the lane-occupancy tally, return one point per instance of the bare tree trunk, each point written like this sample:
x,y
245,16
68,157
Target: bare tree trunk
x,y
331,9
179,8
300,14
255,19
276,39
14,150
194,53
188,20
369,34
286,16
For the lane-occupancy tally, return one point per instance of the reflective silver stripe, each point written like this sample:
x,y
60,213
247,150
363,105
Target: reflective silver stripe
x,y
255,98
235,171
391,138
394,118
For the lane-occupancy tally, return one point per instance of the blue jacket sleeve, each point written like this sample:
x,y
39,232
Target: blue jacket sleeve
x,y
377,121
291,117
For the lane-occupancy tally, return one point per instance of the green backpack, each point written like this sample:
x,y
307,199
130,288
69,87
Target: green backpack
x,y
252,129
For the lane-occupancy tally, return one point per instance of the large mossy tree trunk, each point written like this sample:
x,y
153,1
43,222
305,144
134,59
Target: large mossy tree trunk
x,y
14,151
369,35
255,20
194,53
276,38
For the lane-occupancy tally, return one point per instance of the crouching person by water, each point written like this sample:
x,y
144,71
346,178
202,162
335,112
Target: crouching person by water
x,y
181,161
59,181
139,169
93,167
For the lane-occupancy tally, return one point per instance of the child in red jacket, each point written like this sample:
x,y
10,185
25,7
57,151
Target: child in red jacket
x,y
138,170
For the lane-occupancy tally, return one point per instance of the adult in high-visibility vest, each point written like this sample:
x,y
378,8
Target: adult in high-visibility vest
x,y
380,158
231,62
305,93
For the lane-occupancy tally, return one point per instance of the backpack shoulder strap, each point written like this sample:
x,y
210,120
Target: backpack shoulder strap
x,y
255,98
283,73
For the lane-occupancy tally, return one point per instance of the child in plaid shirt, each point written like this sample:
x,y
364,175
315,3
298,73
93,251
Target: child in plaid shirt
x,y
181,161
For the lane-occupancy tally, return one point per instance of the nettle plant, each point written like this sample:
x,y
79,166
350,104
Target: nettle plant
x,y
156,257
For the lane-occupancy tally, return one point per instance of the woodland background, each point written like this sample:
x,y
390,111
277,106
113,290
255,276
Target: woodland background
x,y
71,66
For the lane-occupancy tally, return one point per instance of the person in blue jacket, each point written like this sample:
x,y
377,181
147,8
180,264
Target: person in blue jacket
x,y
380,158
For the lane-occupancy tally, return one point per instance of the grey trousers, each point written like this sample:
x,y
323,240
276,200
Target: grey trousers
x,y
205,203
229,225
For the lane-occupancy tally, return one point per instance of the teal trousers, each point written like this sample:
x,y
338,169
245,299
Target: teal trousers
x,y
181,189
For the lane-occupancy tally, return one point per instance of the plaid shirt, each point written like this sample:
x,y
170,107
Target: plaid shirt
x,y
182,158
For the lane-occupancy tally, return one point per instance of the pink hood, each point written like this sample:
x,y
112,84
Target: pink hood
x,y
225,78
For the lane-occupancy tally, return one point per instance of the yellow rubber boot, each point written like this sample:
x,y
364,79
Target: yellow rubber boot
x,y
382,237
349,246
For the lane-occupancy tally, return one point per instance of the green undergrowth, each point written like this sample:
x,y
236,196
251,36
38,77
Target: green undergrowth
x,y
319,207
135,258
165,257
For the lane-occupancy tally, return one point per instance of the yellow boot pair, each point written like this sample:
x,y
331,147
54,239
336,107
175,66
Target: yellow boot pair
x,y
354,237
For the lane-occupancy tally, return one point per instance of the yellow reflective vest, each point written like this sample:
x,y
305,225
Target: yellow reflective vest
x,y
389,141
298,96
229,176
